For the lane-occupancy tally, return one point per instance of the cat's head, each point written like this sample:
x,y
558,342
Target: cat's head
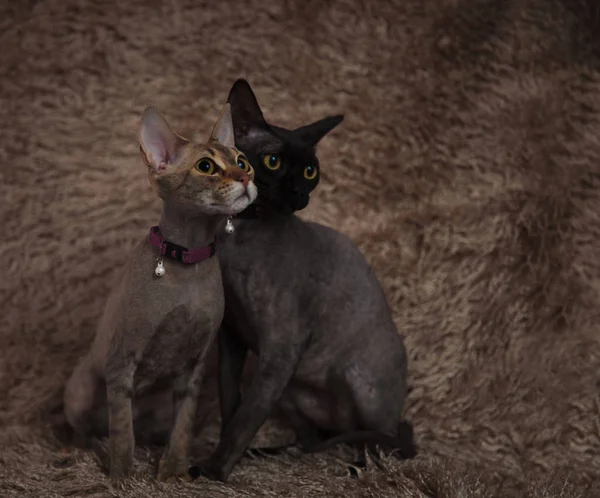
x,y
197,179
285,161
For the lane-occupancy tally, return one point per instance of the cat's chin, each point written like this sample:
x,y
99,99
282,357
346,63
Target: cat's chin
x,y
232,209
239,203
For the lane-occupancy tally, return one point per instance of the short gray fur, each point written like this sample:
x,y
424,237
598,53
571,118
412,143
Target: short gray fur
x,y
303,298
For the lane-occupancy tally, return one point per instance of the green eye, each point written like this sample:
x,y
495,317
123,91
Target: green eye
x,y
272,161
205,166
310,172
243,163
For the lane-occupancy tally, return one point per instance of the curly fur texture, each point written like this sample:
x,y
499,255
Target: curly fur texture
x,y
467,169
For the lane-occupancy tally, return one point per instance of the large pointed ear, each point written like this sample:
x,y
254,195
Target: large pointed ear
x,y
223,129
314,132
245,111
159,144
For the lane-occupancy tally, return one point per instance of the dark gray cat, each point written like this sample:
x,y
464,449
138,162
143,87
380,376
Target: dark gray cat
x,y
302,297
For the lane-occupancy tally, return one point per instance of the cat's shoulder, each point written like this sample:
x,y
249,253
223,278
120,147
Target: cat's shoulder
x,y
333,239
293,231
328,233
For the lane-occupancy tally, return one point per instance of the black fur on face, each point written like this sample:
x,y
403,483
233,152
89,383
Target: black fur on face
x,y
285,163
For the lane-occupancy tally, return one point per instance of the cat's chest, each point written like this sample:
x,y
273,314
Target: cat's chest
x,y
263,281
245,296
188,328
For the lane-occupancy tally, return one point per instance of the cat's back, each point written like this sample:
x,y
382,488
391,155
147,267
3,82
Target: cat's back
x,y
290,240
317,266
342,264
260,245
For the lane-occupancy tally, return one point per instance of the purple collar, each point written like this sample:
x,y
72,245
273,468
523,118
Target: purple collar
x,y
178,252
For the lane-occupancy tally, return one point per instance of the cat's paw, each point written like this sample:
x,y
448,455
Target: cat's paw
x,y
120,453
171,478
120,467
208,470
172,473
118,472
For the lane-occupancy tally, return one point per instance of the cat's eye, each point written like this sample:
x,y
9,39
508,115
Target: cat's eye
x,y
310,172
272,161
243,163
206,166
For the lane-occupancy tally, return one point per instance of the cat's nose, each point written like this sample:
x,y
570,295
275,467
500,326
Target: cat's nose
x,y
238,175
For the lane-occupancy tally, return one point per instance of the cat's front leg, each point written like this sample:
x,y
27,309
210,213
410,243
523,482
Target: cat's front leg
x,y
174,463
120,371
271,378
232,356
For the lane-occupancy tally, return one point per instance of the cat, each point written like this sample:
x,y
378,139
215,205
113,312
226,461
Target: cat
x,y
303,298
162,317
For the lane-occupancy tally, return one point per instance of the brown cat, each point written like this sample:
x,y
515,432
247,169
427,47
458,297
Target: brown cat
x,y
161,318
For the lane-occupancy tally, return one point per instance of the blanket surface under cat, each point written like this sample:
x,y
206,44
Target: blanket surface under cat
x,y
467,170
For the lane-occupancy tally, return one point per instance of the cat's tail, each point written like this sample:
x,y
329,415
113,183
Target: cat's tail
x,y
403,443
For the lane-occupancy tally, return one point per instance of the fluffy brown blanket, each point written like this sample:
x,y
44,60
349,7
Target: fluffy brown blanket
x,y
467,170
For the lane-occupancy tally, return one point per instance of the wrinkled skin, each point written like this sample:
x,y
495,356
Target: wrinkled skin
x,y
302,297
156,331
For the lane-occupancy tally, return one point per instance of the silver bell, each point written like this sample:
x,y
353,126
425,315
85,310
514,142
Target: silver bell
x,y
229,228
159,271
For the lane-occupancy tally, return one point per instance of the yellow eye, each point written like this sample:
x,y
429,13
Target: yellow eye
x,y
272,161
206,166
310,172
243,163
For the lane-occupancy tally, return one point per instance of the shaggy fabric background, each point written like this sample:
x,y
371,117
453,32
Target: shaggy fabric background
x,y
467,170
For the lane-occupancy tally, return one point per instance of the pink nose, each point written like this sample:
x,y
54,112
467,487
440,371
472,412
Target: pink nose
x,y
239,176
